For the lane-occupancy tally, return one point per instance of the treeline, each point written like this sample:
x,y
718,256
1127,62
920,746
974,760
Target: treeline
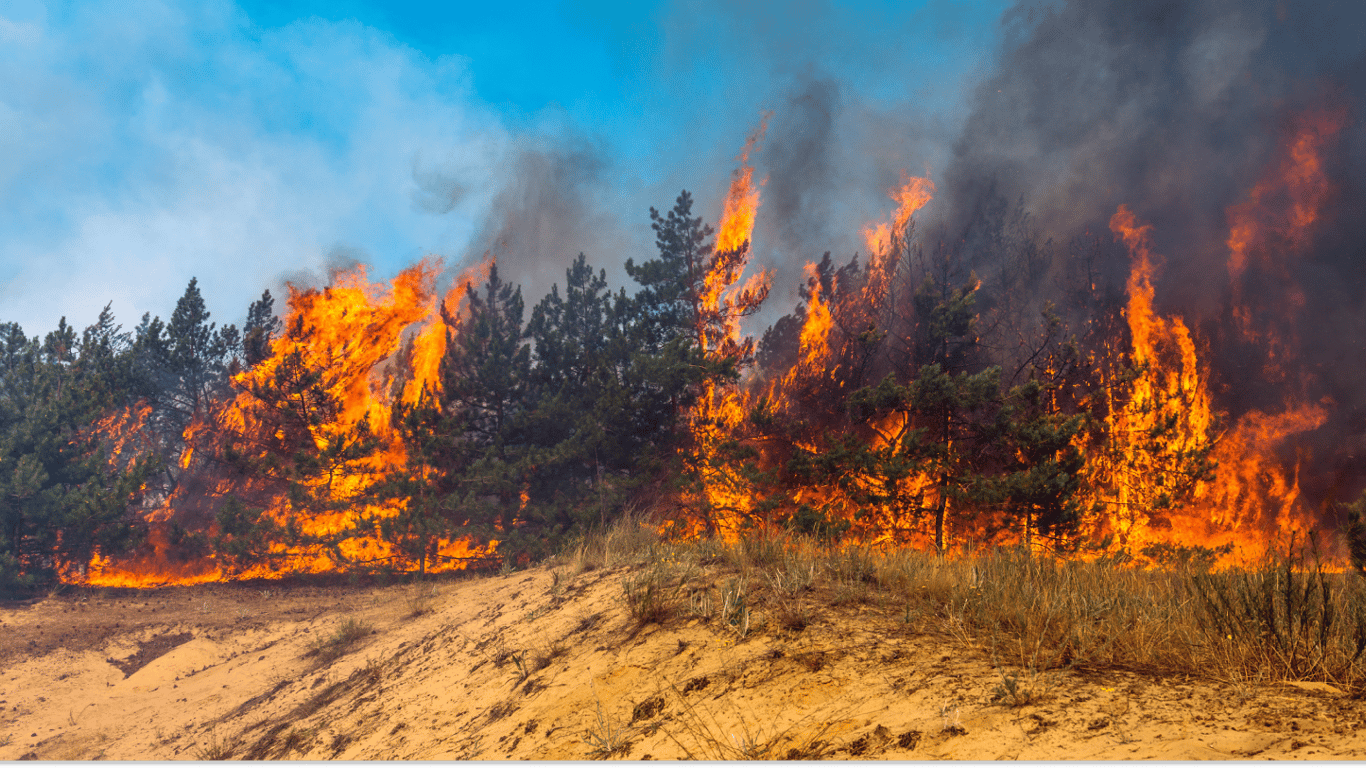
x,y
900,422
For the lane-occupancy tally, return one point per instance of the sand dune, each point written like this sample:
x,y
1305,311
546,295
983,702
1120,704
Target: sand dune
x,y
546,664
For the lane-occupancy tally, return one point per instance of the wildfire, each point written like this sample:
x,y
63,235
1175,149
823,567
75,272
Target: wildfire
x,y
1162,442
1276,220
731,502
330,382
911,196
1166,468
719,411
1161,424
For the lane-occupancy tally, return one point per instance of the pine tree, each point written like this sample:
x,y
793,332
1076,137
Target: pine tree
x,y
466,446
668,303
261,327
60,499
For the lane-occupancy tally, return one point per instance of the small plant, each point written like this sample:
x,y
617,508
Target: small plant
x,y
700,603
851,592
760,550
298,739
854,563
735,607
519,661
702,737
421,600
545,657
792,615
649,599
214,750
1016,691
605,739
953,724
627,539
336,645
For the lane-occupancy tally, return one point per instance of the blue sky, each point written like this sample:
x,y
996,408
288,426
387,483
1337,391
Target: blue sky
x,y
146,142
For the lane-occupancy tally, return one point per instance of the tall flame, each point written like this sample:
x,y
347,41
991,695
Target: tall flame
x,y
341,344
719,411
1148,478
911,196
742,199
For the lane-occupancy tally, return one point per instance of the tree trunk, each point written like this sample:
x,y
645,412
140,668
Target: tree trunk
x,y
940,514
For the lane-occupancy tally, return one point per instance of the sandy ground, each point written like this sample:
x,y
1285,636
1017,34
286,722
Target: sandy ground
x,y
538,664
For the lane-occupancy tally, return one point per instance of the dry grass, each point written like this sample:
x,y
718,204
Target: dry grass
x,y
625,541
1030,613
701,736
339,643
421,600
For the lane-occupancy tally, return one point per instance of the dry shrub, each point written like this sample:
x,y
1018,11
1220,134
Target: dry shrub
x,y
1288,619
421,600
651,595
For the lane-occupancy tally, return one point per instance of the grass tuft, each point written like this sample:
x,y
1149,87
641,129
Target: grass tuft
x,y
421,600
606,738
339,643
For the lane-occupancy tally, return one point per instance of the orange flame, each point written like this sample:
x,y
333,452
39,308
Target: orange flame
x,y
344,339
742,200
1162,422
910,197
720,411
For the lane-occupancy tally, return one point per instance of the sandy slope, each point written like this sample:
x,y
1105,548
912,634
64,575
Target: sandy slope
x,y
537,665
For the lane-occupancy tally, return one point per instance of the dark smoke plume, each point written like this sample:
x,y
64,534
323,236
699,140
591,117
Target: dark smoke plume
x,y
547,212
1177,110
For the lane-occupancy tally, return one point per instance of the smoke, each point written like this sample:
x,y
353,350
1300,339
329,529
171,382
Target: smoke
x,y
148,143
1178,110
804,167
550,207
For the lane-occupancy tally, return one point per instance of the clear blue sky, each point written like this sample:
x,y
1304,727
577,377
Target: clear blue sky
x,y
146,142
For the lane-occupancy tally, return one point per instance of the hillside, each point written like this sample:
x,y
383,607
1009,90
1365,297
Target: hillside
x,y
592,656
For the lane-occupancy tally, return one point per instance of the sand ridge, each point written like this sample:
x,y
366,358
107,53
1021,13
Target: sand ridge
x,y
544,664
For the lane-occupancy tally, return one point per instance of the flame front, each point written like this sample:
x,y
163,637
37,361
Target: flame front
x,y
1166,475
326,388
1163,466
